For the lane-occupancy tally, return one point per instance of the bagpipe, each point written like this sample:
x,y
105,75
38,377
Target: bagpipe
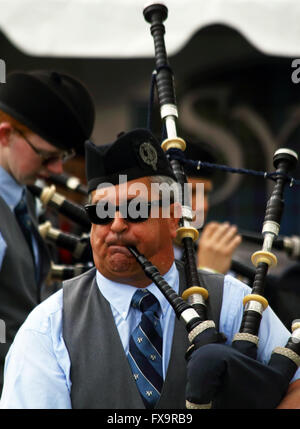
x,y
221,375
64,272
72,183
78,246
49,196
289,245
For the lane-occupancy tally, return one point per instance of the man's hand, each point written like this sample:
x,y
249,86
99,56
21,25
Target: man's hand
x,y
217,243
292,398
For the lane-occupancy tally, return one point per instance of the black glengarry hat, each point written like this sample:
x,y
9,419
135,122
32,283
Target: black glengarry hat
x,y
53,105
134,154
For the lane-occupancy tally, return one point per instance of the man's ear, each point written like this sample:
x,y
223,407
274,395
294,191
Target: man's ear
x,y
5,131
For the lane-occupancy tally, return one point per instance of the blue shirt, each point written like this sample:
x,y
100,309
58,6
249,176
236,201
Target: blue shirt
x,y
37,368
11,192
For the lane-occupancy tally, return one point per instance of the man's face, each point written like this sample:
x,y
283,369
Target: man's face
x,y
152,237
208,186
21,156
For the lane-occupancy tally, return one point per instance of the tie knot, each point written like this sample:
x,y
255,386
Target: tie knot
x,y
145,301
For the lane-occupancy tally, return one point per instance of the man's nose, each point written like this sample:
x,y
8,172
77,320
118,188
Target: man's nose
x,y
119,224
55,167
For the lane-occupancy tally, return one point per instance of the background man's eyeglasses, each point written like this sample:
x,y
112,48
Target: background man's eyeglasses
x,y
103,213
46,157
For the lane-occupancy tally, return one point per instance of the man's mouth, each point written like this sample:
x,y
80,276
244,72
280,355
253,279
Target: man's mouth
x,y
114,248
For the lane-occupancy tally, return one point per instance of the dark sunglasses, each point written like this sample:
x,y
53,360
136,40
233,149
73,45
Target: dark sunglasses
x,y
103,213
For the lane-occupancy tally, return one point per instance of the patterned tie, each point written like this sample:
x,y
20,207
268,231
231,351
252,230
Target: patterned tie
x,y
25,221
145,348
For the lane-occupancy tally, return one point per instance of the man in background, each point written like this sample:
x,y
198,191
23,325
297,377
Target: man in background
x,y
44,117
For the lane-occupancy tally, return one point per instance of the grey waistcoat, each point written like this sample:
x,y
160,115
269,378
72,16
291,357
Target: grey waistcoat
x,y
100,373
19,291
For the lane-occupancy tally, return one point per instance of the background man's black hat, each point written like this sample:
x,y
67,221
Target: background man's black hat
x,y
134,154
53,105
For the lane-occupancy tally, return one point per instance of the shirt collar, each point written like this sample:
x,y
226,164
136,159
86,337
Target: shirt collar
x,y
10,190
119,295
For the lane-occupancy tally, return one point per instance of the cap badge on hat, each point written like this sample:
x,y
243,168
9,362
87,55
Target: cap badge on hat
x,y
148,154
